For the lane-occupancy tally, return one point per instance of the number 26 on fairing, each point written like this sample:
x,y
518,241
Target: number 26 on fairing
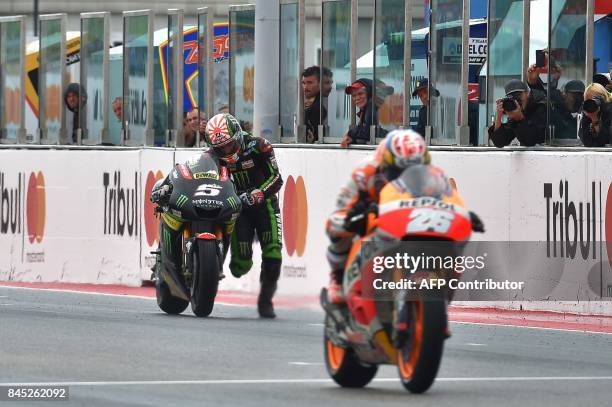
x,y
429,220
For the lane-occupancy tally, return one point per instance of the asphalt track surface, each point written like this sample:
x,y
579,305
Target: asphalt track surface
x,y
120,351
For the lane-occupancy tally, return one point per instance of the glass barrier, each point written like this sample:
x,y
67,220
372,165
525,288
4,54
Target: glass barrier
x,y
505,56
446,83
566,69
242,64
12,80
94,78
138,83
289,73
419,71
177,129
335,69
115,99
51,81
389,39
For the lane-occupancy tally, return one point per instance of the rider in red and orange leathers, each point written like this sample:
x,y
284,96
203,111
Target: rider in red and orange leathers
x,y
399,150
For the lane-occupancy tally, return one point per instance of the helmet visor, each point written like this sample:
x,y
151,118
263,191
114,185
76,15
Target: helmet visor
x,y
228,149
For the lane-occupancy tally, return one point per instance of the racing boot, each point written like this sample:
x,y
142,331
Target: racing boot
x,y
335,293
270,272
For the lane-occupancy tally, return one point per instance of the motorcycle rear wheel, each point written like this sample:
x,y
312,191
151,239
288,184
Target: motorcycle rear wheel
x,y
419,359
205,281
343,365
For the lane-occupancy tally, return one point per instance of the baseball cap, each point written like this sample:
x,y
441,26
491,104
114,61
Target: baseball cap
x,y
354,86
574,86
515,86
423,84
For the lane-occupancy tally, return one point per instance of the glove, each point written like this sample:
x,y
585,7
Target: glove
x,y
253,198
477,224
160,194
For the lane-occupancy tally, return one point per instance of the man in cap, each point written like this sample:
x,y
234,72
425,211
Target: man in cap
x,y
421,90
361,95
526,113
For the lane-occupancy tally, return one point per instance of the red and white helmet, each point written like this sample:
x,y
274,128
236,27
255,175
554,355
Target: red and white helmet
x,y
402,149
224,135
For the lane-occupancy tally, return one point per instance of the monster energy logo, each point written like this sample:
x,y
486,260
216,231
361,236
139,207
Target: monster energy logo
x,y
244,248
182,200
167,240
233,202
266,237
242,178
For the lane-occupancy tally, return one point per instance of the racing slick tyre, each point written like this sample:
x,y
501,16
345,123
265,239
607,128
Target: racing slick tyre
x,y
205,281
419,357
343,364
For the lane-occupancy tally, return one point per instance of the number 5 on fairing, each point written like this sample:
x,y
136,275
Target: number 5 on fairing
x,y
429,220
208,190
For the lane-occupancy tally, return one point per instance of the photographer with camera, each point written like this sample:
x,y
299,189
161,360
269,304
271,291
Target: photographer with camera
x,y
526,113
596,124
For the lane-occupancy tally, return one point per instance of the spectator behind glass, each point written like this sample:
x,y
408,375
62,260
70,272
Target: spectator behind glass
x,y
596,124
603,81
117,106
361,94
314,114
190,126
71,98
421,90
526,113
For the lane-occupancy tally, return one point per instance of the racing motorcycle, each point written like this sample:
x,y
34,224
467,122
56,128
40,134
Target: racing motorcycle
x,y
405,328
199,200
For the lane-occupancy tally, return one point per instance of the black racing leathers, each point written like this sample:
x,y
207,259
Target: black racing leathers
x,y
256,168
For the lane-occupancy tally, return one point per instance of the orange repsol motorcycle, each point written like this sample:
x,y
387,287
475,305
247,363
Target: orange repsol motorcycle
x,y
405,327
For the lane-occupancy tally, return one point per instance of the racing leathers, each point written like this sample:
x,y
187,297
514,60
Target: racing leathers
x,y
362,188
258,180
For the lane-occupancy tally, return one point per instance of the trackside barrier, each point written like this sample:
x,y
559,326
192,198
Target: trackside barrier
x,y
83,215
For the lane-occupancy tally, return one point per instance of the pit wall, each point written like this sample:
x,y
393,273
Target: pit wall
x,y
83,216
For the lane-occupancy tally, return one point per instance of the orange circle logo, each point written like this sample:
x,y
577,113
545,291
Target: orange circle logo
x,y
150,219
36,207
295,216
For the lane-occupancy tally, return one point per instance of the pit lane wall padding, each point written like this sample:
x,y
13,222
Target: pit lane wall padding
x,y
83,215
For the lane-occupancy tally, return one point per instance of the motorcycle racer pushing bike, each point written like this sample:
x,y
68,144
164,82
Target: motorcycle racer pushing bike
x,y
252,165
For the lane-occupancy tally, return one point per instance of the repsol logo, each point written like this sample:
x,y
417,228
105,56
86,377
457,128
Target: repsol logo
x,y
573,226
11,193
121,204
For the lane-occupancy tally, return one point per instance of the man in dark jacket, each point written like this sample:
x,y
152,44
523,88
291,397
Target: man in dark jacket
x,y
421,90
314,113
526,112
74,91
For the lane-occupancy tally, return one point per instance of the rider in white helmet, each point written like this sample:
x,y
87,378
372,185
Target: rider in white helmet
x,y
399,150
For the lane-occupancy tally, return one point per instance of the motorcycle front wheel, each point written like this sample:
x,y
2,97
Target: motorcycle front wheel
x,y
419,358
205,281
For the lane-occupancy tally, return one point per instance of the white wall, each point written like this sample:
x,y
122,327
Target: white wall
x,y
505,188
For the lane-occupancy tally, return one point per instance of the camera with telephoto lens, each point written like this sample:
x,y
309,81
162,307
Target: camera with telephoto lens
x,y
509,104
592,105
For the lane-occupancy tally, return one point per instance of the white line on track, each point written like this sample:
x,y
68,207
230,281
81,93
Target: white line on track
x,y
306,363
5,304
532,327
476,344
302,381
317,325
138,297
